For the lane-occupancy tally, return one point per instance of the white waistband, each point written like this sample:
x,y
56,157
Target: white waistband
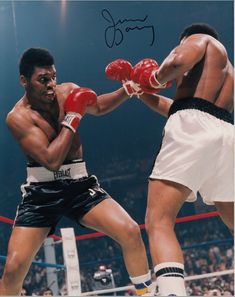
x,y
68,171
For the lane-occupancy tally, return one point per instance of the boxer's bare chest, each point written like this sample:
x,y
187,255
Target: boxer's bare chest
x,y
49,120
50,124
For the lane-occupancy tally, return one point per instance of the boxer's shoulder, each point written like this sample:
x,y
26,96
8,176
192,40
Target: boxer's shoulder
x,y
21,115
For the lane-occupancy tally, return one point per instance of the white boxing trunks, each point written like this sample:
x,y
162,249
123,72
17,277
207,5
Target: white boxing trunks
x,y
198,150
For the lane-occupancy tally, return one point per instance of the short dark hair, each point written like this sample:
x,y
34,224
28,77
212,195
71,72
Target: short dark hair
x,y
199,28
34,57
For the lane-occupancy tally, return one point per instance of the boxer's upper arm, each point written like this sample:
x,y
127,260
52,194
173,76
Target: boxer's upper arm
x,y
31,139
108,102
183,57
191,51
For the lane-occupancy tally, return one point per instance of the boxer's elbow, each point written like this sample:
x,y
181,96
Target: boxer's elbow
x,y
51,163
54,166
178,65
99,110
186,61
178,61
94,110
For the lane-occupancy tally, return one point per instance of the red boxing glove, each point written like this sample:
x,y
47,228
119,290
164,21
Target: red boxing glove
x,y
144,73
75,106
120,70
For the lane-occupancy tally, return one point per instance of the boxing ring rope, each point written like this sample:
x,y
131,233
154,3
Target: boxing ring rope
x,y
130,287
39,263
142,226
187,278
61,266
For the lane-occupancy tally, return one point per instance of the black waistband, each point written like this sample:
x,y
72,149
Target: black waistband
x,y
35,164
202,105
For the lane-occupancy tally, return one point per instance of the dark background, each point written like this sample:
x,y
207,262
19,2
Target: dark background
x,y
74,32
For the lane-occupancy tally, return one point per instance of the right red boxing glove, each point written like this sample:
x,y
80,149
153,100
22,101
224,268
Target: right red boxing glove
x,y
144,74
141,73
75,106
120,70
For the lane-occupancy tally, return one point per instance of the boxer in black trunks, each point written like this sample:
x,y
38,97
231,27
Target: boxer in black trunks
x,y
44,123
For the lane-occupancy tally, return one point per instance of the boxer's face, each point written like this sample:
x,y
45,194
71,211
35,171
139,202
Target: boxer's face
x,y
42,84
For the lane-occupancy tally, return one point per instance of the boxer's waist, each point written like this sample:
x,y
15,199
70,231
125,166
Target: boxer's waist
x,y
74,170
202,105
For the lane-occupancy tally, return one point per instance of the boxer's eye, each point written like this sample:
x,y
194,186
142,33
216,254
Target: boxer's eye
x,y
43,80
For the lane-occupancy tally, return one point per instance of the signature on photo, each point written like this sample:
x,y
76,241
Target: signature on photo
x,y
114,32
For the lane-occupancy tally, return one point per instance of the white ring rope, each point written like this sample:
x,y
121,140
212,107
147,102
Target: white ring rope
x,y
187,278
205,275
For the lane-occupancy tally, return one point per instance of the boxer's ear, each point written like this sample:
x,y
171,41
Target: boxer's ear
x,y
23,81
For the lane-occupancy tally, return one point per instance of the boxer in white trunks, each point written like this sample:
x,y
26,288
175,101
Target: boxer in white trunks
x,y
197,151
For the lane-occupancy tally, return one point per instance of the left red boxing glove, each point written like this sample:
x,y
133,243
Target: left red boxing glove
x,y
120,70
144,73
75,106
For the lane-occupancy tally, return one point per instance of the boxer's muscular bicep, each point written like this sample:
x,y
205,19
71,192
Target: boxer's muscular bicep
x,y
108,102
183,58
36,145
190,52
31,139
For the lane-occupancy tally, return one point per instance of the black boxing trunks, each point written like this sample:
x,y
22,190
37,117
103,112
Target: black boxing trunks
x,y
50,195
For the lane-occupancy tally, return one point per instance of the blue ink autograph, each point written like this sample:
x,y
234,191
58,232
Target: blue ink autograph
x,y
114,34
